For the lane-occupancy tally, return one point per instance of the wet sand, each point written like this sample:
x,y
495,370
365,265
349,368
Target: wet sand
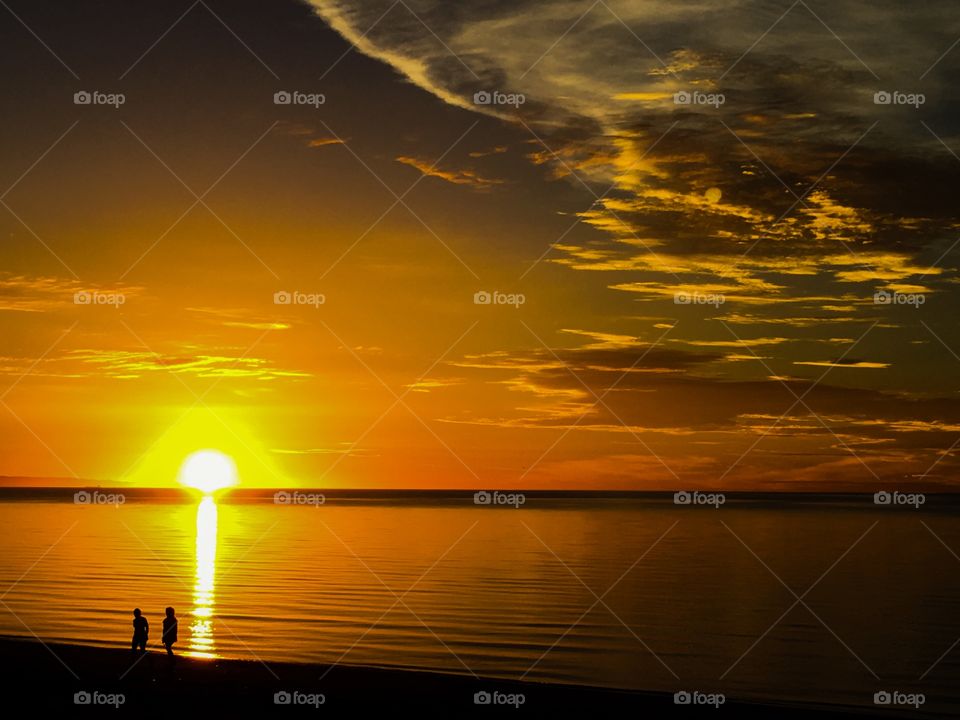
x,y
50,676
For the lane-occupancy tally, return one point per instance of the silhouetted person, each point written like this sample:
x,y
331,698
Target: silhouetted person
x,y
169,631
141,629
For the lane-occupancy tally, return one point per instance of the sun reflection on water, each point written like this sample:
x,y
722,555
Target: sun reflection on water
x,y
201,629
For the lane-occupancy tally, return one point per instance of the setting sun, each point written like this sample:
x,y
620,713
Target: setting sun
x,y
208,471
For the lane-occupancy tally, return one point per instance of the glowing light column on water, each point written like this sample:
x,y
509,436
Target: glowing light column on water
x,y
201,630
208,471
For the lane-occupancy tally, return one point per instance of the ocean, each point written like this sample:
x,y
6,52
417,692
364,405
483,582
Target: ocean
x,y
821,599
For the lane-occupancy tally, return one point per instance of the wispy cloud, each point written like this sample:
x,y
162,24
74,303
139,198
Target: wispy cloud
x,y
128,364
38,294
850,364
425,385
239,318
341,449
323,141
457,177
495,150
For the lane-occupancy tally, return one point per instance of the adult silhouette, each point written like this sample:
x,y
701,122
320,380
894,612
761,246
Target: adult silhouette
x,y
141,629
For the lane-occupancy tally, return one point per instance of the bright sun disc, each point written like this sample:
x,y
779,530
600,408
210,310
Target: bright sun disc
x,y
208,471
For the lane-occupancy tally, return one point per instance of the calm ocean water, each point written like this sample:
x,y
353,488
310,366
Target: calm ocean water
x,y
612,592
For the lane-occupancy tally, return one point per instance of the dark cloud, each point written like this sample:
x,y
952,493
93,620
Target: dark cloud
x,y
799,109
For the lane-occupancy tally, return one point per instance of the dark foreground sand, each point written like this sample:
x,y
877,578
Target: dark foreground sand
x,y
44,677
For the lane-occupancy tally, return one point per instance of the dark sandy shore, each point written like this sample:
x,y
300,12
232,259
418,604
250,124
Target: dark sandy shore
x,y
50,677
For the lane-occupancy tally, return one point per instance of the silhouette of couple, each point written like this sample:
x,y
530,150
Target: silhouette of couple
x,y
141,629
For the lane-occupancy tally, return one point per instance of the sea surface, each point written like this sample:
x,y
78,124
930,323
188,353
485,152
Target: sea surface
x,y
823,600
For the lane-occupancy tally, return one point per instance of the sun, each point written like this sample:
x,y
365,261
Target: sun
x,y
208,471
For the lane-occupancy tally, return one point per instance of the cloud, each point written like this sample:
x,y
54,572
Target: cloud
x,y
239,318
795,199
737,343
495,150
425,385
129,364
41,294
791,320
604,340
341,449
323,141
851,364
456,177
674,403
797,177
313,137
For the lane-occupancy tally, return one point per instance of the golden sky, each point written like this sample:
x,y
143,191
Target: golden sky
x,y
718,244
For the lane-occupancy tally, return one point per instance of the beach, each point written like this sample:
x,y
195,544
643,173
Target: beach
x,y
322,585
78,679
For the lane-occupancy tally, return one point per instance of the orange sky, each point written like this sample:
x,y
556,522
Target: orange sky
x,y
684,295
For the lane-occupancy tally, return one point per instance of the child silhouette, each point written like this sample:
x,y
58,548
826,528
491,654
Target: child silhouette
x,y
169,631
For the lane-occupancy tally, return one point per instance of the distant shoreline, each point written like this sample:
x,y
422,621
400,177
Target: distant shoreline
x,y
154,687
812,490
506,499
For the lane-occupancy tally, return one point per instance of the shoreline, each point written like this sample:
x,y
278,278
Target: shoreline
x,y
52,673
880,499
